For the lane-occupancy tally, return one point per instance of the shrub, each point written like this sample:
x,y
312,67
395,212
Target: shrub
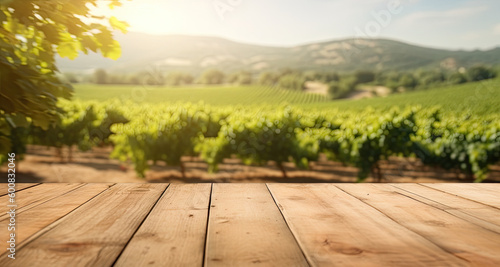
x,y
479,73
292,82
364,76
212,76
268,78
178,78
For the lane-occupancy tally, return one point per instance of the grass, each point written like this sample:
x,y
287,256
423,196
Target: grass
x,y
477,98
480,98
213,95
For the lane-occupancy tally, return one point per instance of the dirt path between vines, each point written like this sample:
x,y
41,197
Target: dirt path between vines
x,y
41,165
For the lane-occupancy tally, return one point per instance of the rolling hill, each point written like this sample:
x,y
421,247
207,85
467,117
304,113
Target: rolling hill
x,y
195,53
479,98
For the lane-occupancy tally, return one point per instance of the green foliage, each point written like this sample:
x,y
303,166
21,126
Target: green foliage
x,y
163,134
79,124
465,143
13,135
292,82
100,76
457,78
256,139
365,139
424,79
241,78
152,76
349,83
70,77
212,76
334,90
268,79
342,88
213,95
31,33
476,98
408,81
479,73
178,78
258,135
325,77
363,76
430,78
245,78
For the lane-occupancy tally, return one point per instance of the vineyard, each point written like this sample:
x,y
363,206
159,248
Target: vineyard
x,y
147,133
213,95
478,98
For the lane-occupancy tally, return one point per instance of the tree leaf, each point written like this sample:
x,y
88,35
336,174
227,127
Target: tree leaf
x,y
3,16
68,49
50,33
118,25
113,52
4,145
17,120
90,43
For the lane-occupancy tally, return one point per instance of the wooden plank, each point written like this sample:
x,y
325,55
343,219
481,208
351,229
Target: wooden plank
x,y
173,234
474,212
95,233
334,228
34,220
246,228
477,192
475,244
35,196
492,186
486,186
19,187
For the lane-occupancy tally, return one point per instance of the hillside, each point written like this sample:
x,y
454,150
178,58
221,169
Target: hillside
x,y
195,53
479,98
212,95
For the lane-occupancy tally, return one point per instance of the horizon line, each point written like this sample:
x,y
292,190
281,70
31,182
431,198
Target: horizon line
x,y
347,38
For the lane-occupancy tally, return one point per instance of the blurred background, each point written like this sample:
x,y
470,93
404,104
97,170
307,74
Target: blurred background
x,y
250,91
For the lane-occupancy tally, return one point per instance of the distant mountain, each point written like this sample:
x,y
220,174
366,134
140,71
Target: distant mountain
x,y
195,53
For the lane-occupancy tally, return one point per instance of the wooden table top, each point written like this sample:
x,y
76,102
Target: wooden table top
x,y
254,225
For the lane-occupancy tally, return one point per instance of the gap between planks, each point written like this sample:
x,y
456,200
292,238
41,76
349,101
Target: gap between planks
x,y
96,232
477,213
35,196
174,232
313,249
470,242
481,193
246,228
37,221
336,228
19,187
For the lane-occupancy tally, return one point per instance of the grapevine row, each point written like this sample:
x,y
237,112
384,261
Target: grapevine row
x,y
149,133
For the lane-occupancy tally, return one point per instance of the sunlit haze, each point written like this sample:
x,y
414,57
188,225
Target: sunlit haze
x,y
444,24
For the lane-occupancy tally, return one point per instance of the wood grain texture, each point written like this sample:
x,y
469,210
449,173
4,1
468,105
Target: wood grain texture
x,y
34,220
247,229
336,229
256,224
173,234
482,193
34,196
19,187
474,212
468,241
95,233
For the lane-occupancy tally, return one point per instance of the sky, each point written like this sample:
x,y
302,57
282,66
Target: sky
x,y
449,24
